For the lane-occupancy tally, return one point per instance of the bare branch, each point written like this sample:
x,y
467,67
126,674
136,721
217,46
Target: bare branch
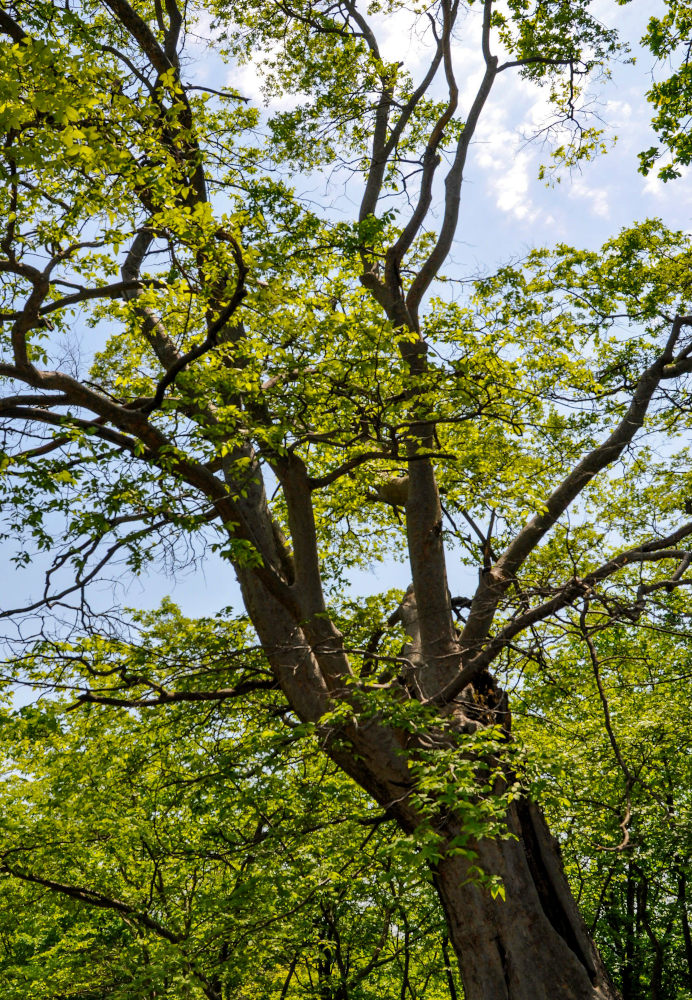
x,y
28,414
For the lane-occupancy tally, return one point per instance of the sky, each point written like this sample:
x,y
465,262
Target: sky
x,y
506,210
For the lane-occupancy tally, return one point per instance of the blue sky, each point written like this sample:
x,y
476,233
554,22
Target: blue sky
x,y
506,210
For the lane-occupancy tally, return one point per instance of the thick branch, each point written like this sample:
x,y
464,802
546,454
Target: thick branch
x,y
496,581
430,159
10,27
138,28
92,898
152,327
454,177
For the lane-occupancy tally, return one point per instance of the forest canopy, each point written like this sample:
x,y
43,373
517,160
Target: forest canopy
x,y
319,791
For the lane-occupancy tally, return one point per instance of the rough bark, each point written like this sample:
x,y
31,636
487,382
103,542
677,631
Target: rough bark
x,y
533,945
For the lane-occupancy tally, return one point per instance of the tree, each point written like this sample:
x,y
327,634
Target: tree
x,y
212,854
275,384
618,794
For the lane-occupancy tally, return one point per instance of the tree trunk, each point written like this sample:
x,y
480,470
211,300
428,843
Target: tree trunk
x,y
533,945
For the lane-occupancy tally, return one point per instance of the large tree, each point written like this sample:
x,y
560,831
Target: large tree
x,y
272,381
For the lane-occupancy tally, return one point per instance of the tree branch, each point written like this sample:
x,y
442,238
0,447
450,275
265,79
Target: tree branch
x,y
653,551
499,577
138,28
175,697
454,178
10,27
91,897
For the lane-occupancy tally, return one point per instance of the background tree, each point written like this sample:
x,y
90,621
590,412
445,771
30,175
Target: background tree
x,y
208,851
273,384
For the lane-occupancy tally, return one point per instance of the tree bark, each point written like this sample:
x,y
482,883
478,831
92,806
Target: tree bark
x,y
533,945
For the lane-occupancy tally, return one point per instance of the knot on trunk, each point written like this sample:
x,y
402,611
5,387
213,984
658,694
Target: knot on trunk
x,y
393,490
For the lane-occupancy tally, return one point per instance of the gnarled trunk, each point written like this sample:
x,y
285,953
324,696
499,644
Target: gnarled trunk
x,y
533,944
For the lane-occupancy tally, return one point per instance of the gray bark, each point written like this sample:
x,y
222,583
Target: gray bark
x,y
533,945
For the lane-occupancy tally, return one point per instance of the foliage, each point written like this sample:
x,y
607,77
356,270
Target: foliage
x,y
198,359
669,38
208,851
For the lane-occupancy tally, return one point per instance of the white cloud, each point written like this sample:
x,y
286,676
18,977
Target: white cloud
x,y
597,198
511,189
401,39
618,113
653,186
201,35
507,169
668,198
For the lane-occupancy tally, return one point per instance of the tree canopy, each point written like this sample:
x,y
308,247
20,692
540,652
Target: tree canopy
x,y
322,792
